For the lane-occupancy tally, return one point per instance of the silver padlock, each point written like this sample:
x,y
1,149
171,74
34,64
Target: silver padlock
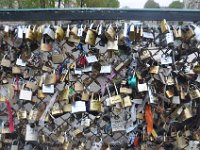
x,y
15,145
96,145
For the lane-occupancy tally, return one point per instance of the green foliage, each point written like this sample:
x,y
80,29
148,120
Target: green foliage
x,y
151,4
101,3
176,4
51,3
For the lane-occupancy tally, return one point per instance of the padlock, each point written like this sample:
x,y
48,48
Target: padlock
x,y
16,70
78,87
33,115
45,45
31,132
117,123
95,105
97,144
142,87
59,35
110,33
164,26
5,62
145,54
50,79
67,108
15,145
64,95
22,114
25,94
180,140
196,69
78,107
131,32
124,89
154,69
57,110
40,94
116,98
194,94
85,95
49,32
126,102
29,33
57,58
112,45
91,36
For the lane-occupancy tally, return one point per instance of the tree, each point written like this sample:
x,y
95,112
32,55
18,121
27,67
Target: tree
x,y
151,4
101,3
176,4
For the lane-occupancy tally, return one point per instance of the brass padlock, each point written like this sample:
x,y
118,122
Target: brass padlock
x,y
169,93
189,34
67,145
116,98
78,86
154,69
186,114
46,46
91,37
126,102
29,33
59,35
110,33
85,95
145,54
33,115
77,133
58,58
56,110
40,94
16,70
5,62
95,105
164,26
124,89
194,94
196,69
50,79
67,108
64,95
22,114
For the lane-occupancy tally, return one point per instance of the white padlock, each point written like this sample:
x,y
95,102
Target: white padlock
x,y
31,133
15,145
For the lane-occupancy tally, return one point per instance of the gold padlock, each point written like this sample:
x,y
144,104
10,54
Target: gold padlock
x,y
67,145
29,33
126,102
40,94
85,95
56,110
67,108
110,33
64,95
194,94
46,46
64,76
91,37
164,26
196,69
50,79
169,93
59,34
16,70
77,132
58,58
189,34
154,69
186,114
33,115
22,114
78,86
5,62
95,105
145,54
116,98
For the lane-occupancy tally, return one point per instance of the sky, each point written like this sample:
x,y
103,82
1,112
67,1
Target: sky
x,y
140,3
